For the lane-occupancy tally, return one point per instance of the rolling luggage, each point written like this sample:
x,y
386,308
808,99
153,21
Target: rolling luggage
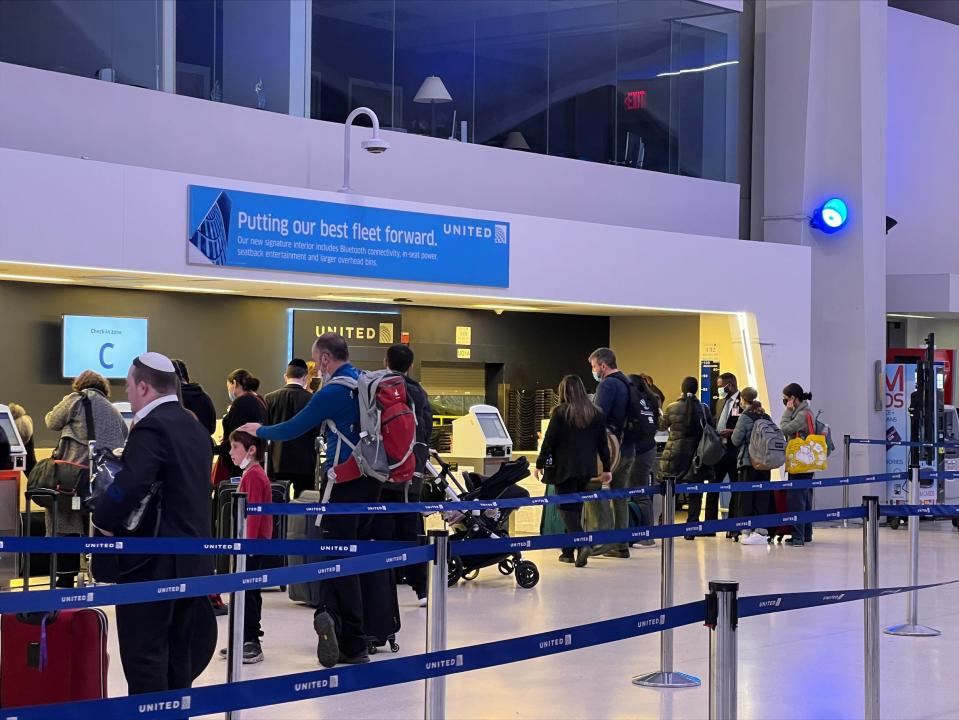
x,y
381,610
33,525
52,657
778,533
224,521
303,527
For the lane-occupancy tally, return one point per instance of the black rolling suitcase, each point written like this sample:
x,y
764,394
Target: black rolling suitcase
x,y
33,524
303,527
224,520
381,610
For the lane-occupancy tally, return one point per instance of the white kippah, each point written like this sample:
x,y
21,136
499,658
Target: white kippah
x,y
156,361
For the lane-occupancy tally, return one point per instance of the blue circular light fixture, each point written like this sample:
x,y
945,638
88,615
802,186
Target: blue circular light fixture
x,y
831,216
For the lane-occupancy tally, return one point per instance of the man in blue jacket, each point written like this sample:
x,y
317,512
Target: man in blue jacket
x,y
338,620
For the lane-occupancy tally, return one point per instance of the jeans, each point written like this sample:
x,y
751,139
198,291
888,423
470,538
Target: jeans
x,y
643,475
800,501
621,481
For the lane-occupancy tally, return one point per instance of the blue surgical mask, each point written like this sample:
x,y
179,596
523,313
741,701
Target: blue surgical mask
x,y
597,377
232,396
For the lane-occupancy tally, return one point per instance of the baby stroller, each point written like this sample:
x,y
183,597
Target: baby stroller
x,y
481,524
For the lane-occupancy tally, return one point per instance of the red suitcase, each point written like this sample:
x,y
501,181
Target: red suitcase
x,y
52,657
61,660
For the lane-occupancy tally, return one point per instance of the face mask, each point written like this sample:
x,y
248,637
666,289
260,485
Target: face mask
x,y
232,396
597,377
785,401
245,462
325,377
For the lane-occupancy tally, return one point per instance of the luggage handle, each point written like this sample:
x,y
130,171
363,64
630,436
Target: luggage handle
x,y
29,495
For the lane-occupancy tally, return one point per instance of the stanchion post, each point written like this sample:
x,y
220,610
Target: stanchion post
x,y
237,603
722,619
912,628
870,581
665,677
435,707
845,474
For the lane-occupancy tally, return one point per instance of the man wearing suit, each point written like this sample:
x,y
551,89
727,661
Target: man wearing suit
x,y
293,460
727,415
168,454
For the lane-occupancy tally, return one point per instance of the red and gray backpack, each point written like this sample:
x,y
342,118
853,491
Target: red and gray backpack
x,y
387,429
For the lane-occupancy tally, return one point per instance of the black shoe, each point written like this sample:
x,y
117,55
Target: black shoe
x,y
327,648
252,653
708,535
689,537
360,659
582,555
566,558
796,542
622,553
221,610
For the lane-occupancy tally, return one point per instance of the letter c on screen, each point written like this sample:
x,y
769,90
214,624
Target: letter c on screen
x,y
103,360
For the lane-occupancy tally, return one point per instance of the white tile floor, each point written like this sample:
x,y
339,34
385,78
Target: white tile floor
x,y
801,664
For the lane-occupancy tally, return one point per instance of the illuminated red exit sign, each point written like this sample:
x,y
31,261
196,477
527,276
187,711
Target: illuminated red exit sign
x,y
635,100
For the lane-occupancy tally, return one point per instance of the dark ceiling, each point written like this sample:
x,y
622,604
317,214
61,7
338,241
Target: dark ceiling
x,y
945,10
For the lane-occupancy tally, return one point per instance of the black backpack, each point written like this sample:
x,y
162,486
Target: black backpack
x,y
642,416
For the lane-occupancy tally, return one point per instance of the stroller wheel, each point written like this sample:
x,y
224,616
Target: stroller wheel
x,y
454,571
527,574
505,567
471,574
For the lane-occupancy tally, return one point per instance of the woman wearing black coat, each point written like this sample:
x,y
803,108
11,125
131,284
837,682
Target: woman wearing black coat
x,y
195,398
684,421
246,407
575,437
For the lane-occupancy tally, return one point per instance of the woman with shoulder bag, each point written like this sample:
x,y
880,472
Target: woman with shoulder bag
x,y
798,421
575,436
684,420
69,417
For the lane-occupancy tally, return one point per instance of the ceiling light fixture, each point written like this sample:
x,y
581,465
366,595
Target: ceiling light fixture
x,y
514,308
178,288
686,71
913,317
34,278
353,298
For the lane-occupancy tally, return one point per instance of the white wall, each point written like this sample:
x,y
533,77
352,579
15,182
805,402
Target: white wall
x,y
129,218
64,115
923,148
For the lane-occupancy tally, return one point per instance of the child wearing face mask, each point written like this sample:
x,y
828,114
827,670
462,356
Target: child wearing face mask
x,y
246,452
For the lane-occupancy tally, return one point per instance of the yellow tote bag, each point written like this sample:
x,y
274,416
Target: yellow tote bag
x,y
807,455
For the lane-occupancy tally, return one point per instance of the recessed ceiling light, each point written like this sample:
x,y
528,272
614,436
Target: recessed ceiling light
x,y
178,288
35,278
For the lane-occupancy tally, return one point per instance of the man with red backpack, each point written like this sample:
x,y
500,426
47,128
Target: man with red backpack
x,y
338,620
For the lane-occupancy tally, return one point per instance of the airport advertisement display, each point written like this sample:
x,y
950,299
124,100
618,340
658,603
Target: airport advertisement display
x,y
900,385
106,345
268,232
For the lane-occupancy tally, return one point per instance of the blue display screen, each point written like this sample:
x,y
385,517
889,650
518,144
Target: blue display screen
x,y
106,345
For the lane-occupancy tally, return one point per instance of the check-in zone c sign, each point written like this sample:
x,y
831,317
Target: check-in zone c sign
x,y
106,345
269,232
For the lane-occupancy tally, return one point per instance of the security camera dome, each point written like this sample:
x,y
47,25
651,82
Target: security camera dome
x,y
375,145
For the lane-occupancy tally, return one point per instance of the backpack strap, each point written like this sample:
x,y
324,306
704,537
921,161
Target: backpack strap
x,y
810,424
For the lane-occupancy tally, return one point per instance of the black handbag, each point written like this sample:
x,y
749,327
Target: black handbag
x,y
61,476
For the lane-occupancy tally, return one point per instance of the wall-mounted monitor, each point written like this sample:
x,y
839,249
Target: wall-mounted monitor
x,y
106,345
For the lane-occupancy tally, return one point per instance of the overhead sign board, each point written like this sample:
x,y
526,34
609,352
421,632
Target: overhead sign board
x,y
231,228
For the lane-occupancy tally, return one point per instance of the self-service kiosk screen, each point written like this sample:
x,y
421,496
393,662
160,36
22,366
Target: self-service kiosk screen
x,y
6,424
106,345
491,425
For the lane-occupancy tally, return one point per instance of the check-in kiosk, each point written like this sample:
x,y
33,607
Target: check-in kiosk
x,y
126,411
10,479
480,437
18,451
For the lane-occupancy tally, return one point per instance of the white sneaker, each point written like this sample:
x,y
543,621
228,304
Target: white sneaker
x,y
753,538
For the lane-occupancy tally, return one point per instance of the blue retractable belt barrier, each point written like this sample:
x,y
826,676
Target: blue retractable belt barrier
x,y
446,506
322,683
197,546
174,589
901,443
764,604
603,537
789,484
920,510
